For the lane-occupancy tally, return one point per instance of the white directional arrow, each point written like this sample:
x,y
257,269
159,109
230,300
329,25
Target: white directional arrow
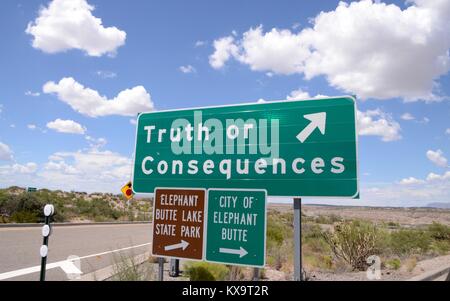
x,y
318,120
183,244
241,251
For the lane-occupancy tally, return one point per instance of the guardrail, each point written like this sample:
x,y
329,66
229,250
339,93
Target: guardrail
x,y
71,224
432,275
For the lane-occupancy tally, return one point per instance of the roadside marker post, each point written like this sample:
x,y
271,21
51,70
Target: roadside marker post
x,y
49,210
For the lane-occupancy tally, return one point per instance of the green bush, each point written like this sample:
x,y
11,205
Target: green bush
x,y
279,228
441,247
439,231
205,271
328,219
410,241
23,208
354,242
25,217
393,263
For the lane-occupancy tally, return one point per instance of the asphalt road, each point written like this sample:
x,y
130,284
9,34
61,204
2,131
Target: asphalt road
x,y
98,246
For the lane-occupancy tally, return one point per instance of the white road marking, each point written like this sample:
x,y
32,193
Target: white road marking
x,y
60,264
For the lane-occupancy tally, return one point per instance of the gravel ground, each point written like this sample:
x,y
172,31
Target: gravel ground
x,y
386,275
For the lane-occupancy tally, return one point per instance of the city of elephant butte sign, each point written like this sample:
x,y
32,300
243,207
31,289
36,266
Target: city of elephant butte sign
x,y
302,148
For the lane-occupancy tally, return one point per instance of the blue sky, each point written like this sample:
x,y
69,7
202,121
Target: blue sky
x,y
397,67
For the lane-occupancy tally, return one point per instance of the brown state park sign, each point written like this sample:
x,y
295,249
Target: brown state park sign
x,y
178,219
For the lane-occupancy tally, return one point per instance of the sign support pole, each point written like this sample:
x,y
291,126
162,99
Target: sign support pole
x,y
161,269
174,268
298,275
255,274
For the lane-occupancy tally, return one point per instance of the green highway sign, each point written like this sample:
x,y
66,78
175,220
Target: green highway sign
x,y
302,148
236,227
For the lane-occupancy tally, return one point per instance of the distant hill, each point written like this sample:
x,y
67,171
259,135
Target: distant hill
x,y
19,206
439,205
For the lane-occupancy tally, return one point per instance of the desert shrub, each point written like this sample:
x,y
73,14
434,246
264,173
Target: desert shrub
x,y
392,225
25,217
236,273
393,263
311,231
282,255
205,271
411,263
23,208
441,247
279,228
126,268
353,242
328,219
318,261
409,241
439,231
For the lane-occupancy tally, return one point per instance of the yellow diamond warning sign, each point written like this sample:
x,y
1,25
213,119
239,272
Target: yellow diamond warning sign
x,y
127,191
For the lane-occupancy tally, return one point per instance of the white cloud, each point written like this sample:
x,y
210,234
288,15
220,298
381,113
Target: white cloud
x,y
435,177
85,170
411,181
28,168
66,126
89,102
32,94
1,108
62,167
425,120
31,127
133,121
378,123
366,48
106,74
6,153
200,43
437,157
187,69
96,143
447,131
90,170
298,94
224,50
69,24
407,116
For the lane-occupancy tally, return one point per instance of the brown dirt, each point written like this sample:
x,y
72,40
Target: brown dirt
x,y
403,216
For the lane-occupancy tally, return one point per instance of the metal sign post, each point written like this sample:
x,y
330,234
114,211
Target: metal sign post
x,y
161,269
298,273
256,274
174,270
46,231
